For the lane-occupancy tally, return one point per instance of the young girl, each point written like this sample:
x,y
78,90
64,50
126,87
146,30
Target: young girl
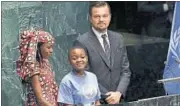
x,y
35,70
79,87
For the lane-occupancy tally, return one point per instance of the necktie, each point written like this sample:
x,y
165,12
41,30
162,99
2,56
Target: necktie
x,y
106,46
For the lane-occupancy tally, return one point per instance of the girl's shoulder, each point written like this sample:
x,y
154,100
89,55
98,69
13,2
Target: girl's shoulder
x,y
67,78
90,74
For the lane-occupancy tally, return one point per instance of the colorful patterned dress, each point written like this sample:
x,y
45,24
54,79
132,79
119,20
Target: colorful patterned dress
x,y
47,82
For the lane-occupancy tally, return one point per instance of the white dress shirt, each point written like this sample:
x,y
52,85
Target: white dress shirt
x,y
98,35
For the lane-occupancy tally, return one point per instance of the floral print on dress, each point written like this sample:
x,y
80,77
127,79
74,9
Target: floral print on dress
x,y
48,86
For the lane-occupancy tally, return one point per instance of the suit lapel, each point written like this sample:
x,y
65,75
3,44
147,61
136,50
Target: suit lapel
x,y
97,47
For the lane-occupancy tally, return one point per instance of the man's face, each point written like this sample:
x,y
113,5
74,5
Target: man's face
x,y
100,18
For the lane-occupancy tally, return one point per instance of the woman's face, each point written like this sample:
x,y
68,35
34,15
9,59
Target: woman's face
x,y
78,59
46,50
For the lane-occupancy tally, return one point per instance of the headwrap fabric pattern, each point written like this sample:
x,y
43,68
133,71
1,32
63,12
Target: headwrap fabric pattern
x,y
29,39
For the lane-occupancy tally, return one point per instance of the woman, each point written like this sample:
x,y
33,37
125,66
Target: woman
x,y
35,70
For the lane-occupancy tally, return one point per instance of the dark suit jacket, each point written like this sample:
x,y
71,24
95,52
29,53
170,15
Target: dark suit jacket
x,y
114,76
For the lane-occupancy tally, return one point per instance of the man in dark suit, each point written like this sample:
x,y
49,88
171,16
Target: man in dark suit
x,y
156,17
107,53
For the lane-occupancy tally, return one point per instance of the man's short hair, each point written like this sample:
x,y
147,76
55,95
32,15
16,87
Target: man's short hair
x,y
98,4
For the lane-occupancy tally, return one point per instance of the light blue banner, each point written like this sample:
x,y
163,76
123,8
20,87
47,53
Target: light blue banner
x,y
172,68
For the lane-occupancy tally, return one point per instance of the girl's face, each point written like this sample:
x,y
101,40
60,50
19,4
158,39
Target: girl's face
x,y
78,59
46,50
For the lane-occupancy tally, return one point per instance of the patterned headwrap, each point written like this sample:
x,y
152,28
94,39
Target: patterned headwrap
x,y
26,64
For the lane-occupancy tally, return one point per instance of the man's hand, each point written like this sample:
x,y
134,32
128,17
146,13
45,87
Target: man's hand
x,y
114,97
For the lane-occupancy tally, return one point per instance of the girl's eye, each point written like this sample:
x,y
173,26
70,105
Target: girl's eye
x,y
73,58
83,57
49,47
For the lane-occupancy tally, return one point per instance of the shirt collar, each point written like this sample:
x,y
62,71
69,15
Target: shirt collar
x,y
74,73
98,34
